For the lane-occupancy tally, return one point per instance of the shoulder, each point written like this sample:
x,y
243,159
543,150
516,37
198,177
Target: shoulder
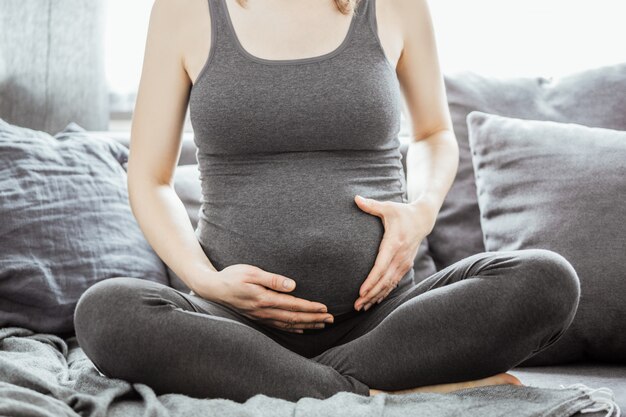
x,y
177,18
410,15
180,25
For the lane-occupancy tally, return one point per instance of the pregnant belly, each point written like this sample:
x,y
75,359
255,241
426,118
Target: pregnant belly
x,y
303,224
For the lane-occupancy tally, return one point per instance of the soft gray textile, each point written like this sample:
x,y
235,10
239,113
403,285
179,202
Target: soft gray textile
x,y
560,186
188,188
500,308
282,156
595,97
65,223
52,68
593,374
45,375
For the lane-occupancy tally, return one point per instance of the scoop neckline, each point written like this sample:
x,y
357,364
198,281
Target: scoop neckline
x,y
292,61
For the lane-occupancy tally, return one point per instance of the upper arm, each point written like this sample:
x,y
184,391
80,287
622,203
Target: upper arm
x,y
162,99
419,71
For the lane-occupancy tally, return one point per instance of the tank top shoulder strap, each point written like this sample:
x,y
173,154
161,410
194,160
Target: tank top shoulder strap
x,y
369,8
363,14
367,12
224,38
222,33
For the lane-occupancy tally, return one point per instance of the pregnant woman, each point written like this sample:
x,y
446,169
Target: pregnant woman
x,y
300,288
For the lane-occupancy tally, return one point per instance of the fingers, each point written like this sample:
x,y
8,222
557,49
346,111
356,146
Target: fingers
x,y
290,303
370,206
386,284
293,317
285,311
276,282
381,264
386,294
279,282
292,311
389,280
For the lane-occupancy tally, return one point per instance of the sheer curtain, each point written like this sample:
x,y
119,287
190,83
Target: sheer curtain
x,y
493,37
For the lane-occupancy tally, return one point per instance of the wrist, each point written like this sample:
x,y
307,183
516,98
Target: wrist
x,y
426,208
204,281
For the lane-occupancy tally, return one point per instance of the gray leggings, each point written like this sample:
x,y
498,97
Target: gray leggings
x,y
478,317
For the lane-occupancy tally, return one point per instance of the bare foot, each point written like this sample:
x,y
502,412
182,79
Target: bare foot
x,y
503,378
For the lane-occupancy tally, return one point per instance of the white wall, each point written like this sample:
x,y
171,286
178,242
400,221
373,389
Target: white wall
x,y
530,37
493,37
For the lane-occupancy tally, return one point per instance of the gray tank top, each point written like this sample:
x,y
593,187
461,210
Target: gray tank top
x,y
283,148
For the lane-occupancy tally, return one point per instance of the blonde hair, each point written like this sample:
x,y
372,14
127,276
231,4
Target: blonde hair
x,y
344,6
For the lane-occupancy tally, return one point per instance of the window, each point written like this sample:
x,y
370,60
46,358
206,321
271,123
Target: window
x,y
493,37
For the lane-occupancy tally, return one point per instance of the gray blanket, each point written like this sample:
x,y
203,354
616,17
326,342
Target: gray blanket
x,y
46,375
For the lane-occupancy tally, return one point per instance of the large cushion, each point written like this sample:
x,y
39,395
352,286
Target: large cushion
x,y
65,224
595,97
560,186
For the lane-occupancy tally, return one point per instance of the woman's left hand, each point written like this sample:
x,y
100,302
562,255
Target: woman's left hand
x,y
405,225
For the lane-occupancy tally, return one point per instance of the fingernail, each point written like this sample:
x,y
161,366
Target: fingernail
x,y
368,305
320,325
328,320
378,302
288,283
322,310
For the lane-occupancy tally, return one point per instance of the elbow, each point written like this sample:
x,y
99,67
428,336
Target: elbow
x,y
454,145
131,184
132,194
141,177
446,143
445,137
137,183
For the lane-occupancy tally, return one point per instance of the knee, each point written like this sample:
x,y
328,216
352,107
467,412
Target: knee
x,y
101,318
99,305
551,283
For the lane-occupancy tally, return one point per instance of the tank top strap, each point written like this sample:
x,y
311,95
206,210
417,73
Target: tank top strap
x,y
222,33
224,36
369,26
369,11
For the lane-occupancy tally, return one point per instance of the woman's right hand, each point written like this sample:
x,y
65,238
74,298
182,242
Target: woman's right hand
x,y
260,295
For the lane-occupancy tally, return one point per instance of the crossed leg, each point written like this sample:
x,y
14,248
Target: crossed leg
x,y
479,317
476,318
143,331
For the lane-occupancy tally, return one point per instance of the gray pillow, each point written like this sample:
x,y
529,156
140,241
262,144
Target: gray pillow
x,y
560,186
595,97
65,224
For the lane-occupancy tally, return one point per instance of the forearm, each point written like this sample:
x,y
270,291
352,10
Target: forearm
x,y
162,217
432,164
